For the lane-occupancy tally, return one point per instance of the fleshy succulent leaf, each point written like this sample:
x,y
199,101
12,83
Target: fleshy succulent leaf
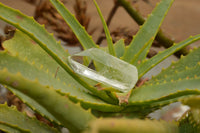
x,y
108,36
119,48
70,115
28,53
167,85
178,75
194,112
187,124
164,91
46,41
77,28
130,126
35,68
148,64
34,30
147,33
193,101
9,116
11,128
35,106
137,58
180,66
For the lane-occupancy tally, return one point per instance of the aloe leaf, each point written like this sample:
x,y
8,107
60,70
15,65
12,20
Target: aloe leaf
x,y
119,48
41,36
191,121
11,128
193,101
165,91
188,124
34,105
46,71
77,28
34,30
176,73
180,66
70,115
13,118
147,65
136,59
142,109
185,73
108,36
27,49
147,32
95,104
111,125
194,119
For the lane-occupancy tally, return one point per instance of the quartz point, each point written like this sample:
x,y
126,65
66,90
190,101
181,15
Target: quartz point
x,y
112,72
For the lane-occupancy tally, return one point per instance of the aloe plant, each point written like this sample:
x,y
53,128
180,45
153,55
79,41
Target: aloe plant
x,y
35,67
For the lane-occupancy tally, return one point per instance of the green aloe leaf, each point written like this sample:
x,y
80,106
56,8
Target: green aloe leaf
x,y
70,115
136,58
194,112
108,36
35,106
193,101
148,64
119,48
178,75
165,91
111,125
11,119
181,66
77,28
147,33
190,122
187,124
38,33
46,71
11,128
34,30
171,84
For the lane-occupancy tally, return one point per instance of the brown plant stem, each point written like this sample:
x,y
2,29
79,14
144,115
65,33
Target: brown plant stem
x,y
160,37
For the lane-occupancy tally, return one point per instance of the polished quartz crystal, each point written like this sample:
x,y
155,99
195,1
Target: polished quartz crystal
x,y
110,71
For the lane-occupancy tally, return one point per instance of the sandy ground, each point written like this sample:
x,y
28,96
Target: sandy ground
x,y
182,20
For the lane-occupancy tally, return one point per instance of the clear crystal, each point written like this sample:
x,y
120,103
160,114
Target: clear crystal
x,y
112,72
